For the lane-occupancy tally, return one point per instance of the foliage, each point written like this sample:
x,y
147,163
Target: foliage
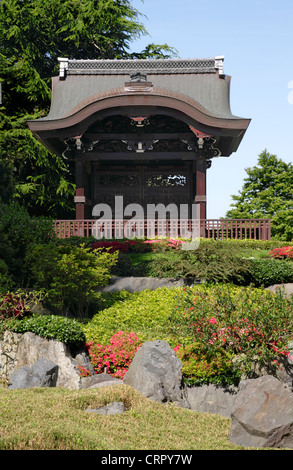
x,y
138,246
43,182
76,241
6,182
115,357
201,366
34,33
285,252
267,192
114,245
145,313
266,272
212,262
13,305
242,262
123,267
18,230
223,330
158,245
70,275
59,328
245,243
6,280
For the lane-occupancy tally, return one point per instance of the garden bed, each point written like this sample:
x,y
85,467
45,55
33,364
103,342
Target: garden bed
x,y
217,327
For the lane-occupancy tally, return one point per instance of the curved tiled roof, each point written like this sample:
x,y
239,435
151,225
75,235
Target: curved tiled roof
x,y
197,88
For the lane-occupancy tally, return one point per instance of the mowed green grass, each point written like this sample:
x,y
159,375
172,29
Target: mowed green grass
x,y
55,419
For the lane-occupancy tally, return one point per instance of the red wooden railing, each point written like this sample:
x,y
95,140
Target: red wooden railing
x,y
253,229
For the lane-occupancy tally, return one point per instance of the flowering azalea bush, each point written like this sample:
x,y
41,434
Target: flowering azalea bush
x,y
285,252
222,332
115,358
126,246
113,245
168,243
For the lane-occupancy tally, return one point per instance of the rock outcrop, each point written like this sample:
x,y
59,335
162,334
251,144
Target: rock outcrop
x,y
43,373
263,414
156,373
18,350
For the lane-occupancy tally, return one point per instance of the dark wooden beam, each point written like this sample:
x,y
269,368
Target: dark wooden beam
x,y
96,156
139,136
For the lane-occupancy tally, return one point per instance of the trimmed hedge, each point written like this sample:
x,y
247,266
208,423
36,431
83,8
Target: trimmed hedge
x,y
145,313
65,330
267,272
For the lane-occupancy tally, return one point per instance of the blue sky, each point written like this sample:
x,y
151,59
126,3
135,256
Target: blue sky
x,y
256,38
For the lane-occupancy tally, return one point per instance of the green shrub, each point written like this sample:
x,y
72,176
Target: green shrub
x,y
3,267
18,231
220,329
214,261
211,261
65,330
70,275
266,272
223,330
16,305
13,305
145,313
246,243
170,264
6,281
123,266
201,366
76,241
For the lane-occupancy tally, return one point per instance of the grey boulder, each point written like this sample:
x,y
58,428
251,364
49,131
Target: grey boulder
x,y
155,372
263,414
114,408
43,373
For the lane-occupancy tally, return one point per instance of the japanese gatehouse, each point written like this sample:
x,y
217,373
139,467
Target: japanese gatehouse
x,y
145,129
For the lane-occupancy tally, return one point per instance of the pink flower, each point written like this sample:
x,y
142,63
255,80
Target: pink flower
x,y
212,320
177,347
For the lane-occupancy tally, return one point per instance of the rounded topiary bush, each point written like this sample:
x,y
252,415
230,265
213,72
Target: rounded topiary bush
x,y
65,330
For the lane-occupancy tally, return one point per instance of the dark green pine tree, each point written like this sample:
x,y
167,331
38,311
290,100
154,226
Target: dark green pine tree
x,y
33,34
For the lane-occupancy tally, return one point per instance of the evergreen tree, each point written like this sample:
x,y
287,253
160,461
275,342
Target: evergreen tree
x,y
6,182
267,192
33,34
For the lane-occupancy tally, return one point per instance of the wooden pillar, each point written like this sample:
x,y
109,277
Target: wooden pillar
x,y
200,187
79,204
81,201
200,192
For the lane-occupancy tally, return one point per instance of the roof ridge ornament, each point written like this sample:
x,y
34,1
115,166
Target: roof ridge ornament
x,y
219,64
138,77
63,67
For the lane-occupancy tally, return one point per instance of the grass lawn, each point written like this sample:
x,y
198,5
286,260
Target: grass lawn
x,y
55,419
